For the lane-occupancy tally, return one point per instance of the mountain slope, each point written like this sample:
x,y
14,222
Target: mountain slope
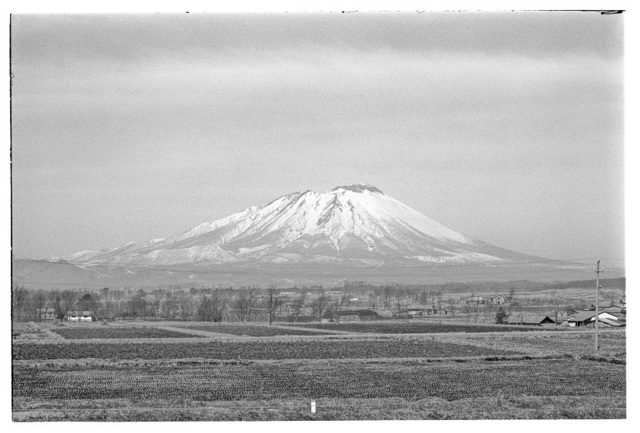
x,y
349,224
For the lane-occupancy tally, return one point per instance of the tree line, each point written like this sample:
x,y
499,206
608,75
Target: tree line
x,y
246,304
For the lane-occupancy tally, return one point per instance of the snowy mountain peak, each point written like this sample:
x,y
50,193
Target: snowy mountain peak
x,y
358,187
352,224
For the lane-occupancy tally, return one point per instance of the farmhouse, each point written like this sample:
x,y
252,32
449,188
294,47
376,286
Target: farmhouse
x,y
496,300
477,300
585,318
616,310
80,316
530,319
421,312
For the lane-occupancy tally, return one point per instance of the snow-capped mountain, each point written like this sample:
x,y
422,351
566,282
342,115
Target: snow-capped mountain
x,y
349,224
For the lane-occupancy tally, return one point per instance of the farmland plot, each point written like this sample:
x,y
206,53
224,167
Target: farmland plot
x,y
117,333
211,349
416,327
405,381
250,381
612,343
250,330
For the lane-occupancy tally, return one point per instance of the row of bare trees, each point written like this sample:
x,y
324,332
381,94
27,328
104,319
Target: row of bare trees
x,y
245,304
213,305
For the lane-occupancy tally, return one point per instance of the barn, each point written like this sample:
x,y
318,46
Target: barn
x,y
530,319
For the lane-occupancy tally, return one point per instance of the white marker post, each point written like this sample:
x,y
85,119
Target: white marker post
x,y
313,407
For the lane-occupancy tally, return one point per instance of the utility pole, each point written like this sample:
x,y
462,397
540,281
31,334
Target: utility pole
x,y
270,306
597,292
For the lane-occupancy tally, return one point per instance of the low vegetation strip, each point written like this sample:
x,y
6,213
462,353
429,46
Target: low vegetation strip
x,y
117,333
251,330
417,328
335,349
543,407
408,380
53,364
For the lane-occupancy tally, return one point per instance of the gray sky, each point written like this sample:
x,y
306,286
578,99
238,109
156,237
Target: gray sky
x,y
507,127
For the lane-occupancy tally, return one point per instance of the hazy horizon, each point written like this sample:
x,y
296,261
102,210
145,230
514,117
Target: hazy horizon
x,y
507,127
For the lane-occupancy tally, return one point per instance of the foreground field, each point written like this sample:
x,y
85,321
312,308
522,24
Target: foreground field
x,y
254,372
117,385
498,408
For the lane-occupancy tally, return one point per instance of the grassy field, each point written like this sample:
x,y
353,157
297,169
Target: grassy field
x,y
351,375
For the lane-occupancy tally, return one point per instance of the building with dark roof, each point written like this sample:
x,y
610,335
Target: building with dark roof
x,y
530,319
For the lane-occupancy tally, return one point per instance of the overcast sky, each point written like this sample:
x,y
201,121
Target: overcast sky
x,y
507,127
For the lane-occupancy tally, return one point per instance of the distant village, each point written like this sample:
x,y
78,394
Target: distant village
x,y
310,304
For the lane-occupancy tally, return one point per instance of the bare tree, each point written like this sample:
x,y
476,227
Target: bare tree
x,y
19,301
297,306
37,301
188,305
89,302
69,298
244,303
386,296
320,305
212,308
273,303
169,304
345,301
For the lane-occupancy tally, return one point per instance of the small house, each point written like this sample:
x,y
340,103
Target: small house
x,y
80,316
497,300
530,319
584,318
